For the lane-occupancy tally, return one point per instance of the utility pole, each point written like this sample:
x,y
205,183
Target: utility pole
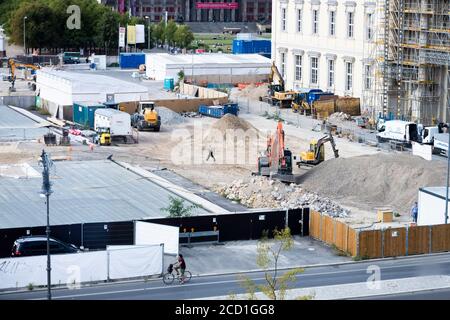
x,y
24,38
47,190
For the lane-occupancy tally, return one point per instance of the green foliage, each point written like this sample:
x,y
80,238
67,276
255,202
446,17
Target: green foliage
x,y
178,209
183,36
30,286
159,33
268,254
169,32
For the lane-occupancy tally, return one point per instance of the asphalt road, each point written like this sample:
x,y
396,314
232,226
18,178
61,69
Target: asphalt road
x,y
217,285
443,294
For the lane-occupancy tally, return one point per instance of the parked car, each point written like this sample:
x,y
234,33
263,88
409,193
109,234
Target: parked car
x,y
37,245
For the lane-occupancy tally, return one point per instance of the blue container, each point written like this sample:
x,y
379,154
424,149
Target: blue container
x,y
169,84
313,96
219,111
84,113
251,46
131,60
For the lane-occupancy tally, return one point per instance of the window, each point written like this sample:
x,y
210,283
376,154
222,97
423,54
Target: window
x,y
368,77
369,30
350,24
314,70
332,23
315,20
330,73
283,64
298,67
348,76
283,19
299,20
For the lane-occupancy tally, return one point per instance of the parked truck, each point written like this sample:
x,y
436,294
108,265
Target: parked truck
x,y
440,145
118,122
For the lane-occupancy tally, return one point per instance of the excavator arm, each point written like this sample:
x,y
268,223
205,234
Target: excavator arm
x,y
327,138
276,75
13,65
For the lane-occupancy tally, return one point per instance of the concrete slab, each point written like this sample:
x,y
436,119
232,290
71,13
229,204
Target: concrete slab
x,y
239,256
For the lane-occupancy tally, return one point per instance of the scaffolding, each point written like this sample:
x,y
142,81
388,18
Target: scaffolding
x,y
409,60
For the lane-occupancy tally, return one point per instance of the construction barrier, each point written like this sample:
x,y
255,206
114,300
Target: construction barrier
x,y
381,243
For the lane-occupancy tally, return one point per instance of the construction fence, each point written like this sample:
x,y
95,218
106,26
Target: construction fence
x,y
389,242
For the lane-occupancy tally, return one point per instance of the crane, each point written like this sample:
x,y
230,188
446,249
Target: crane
x,y
13,65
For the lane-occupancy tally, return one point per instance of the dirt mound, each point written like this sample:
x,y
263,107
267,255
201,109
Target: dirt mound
x,y
253,92
230,121
375,180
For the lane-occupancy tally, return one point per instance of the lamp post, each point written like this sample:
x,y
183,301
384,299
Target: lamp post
x,y
148,31
24,38
46,191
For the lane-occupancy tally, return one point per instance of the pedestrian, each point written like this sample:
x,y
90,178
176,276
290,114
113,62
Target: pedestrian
x,y
414,212
211,154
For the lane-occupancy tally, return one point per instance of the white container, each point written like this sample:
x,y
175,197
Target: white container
x,y
399,130
118,122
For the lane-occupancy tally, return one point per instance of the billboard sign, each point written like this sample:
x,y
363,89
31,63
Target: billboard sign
x,y
217,5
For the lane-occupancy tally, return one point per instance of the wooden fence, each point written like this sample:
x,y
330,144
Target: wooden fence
x,y
389,242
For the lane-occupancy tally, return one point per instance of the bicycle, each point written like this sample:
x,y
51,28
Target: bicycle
x,y
169,277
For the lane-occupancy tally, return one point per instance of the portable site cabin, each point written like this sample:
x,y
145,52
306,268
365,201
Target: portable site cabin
x,y
118,122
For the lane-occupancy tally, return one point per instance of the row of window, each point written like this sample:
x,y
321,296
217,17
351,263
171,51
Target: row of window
x,y
331,66
331,23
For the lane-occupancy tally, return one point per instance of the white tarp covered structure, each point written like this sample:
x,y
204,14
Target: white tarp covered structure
x,y
72,269
146,233
162,65
431,205
58,89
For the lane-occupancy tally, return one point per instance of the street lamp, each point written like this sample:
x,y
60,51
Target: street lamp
x,y
46,191
24,32
148,32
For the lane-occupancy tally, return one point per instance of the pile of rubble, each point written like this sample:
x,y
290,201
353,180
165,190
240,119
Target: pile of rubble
x,y
262,192
339,116
168,116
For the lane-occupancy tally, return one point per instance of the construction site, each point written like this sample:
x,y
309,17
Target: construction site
x,y
408,59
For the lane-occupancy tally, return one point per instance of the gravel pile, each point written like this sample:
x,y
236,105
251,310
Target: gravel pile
x,y
262,192
169,117
339,116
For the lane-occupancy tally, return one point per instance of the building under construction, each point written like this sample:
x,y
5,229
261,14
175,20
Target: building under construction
x,y
407,61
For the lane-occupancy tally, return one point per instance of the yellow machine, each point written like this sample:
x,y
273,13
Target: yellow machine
x,y
103,136
147,118
276,93
316,152
13,65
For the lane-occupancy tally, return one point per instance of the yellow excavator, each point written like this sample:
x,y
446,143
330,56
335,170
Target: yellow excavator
x,y
277,95
13,65
316,152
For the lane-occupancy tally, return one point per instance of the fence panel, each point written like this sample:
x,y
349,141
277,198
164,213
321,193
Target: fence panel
x,y
394,242
370,244
418,240
314,224
440,238
328,230
341,236
352,242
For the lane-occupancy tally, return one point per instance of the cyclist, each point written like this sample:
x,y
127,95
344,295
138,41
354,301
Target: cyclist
x,y
180,264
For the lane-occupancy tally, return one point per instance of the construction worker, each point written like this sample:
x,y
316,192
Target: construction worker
x,y
414,212
210,154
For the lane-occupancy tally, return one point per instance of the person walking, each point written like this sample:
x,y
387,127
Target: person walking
x,y
211,154
414,212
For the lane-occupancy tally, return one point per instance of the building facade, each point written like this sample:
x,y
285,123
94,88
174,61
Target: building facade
x,y
186,10
393,54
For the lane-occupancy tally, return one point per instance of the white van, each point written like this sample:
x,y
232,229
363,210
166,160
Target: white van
x,y
398,130
118,122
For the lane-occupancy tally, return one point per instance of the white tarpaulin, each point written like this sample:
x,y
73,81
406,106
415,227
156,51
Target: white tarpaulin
x,y
66,268
140,33
422,150
152,233
135,261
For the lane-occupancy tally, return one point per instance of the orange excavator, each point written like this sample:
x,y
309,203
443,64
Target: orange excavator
x,y
13,65
276,160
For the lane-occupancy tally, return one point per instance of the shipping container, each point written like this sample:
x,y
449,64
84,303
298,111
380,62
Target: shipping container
x,y
131,60
261,46
219,111
84,113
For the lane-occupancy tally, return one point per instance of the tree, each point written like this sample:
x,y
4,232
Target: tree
x,y
177,209
183,36
159,32
268,255
169,32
